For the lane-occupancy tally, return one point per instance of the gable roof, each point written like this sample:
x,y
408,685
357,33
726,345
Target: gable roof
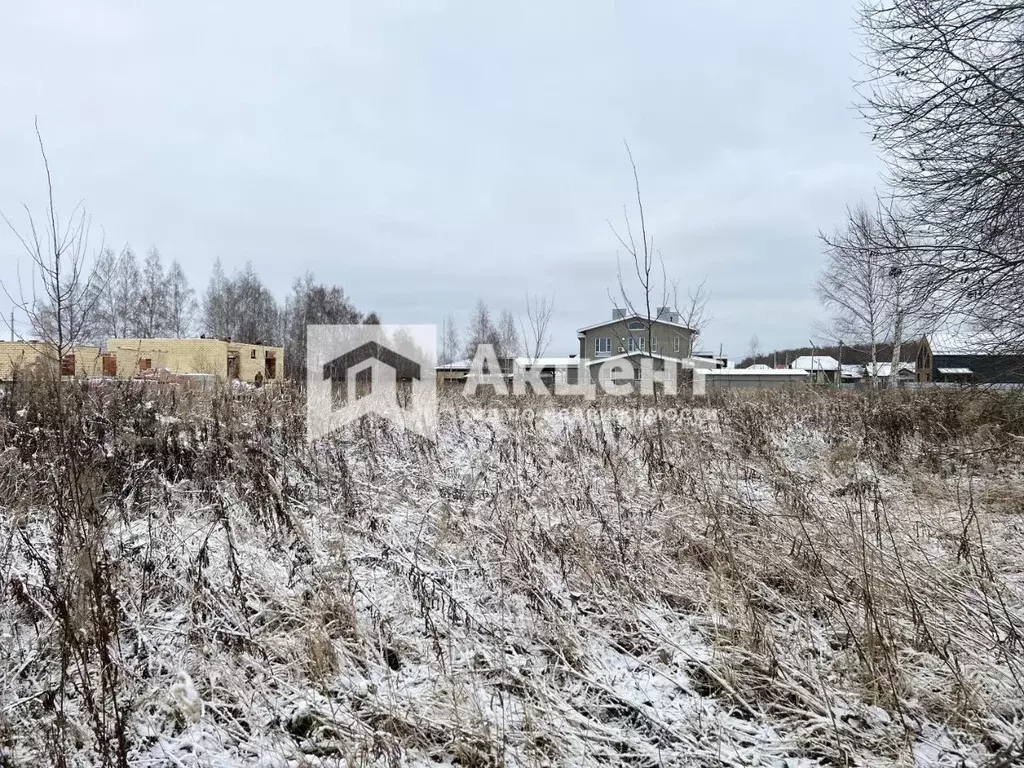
x,y
687,362
815,363
631,318
959,336
546,362
884,370
457,365
766,371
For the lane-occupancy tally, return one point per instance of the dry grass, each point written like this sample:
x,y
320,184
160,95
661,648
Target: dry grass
x,y
828,579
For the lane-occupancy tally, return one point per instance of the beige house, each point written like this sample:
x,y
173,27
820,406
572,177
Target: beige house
x,y
613,350
82,361
254,363
628,334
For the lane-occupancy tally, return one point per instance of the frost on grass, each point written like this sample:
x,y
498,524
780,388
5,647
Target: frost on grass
x,y
789,581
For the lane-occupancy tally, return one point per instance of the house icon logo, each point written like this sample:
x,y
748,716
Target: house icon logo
x,y
356,370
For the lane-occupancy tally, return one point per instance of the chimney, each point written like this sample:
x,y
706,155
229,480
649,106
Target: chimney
x,y
618,314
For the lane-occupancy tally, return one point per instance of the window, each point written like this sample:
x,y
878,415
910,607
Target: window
x,y
252,354
636,344
675,344
636,325
602,347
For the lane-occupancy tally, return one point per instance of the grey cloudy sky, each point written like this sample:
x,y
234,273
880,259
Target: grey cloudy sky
x,y
424,154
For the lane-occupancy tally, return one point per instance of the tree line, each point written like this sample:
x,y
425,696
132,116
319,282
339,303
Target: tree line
x,y
511,337
119,296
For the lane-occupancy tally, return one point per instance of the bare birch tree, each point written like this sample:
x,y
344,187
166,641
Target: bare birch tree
x,y
481,330
218,302
508,335
121,310
852,285
535,333
449,340
181,303
153,311
61,302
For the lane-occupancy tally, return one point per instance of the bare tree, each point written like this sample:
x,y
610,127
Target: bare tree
x,y
181,303
481,330
62,300
449,340
946,102
535,338
508,337
693,312
647,263
255,311
754,347
655,292
852,285
312,303
218,302
121,305
151,319
73,557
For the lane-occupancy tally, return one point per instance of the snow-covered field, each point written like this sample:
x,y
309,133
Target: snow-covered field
x,y
792,581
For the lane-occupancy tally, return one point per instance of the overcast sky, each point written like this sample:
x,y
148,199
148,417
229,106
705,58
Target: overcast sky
x,y
425,154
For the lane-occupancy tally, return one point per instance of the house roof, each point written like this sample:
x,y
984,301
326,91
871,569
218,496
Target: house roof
x,y
751,371
546,362
956,337
687,362
885,369
815,363
457,365
631,318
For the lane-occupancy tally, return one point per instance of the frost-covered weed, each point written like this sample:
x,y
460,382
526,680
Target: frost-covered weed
x,y
819,579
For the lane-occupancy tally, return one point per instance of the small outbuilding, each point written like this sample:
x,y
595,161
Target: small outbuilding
x,y
755,377
822,369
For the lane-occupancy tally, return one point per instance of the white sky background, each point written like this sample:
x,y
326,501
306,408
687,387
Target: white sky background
x,y
425,154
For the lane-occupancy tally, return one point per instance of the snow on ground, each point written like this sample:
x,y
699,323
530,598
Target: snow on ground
x,y
769,583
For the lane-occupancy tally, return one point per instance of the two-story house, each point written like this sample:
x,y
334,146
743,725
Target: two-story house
x,y
629,337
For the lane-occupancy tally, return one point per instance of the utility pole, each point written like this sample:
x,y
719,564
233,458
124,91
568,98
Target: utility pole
x,y
839,373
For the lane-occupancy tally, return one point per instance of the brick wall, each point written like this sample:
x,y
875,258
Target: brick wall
x,y
23,354
175,355
209,356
